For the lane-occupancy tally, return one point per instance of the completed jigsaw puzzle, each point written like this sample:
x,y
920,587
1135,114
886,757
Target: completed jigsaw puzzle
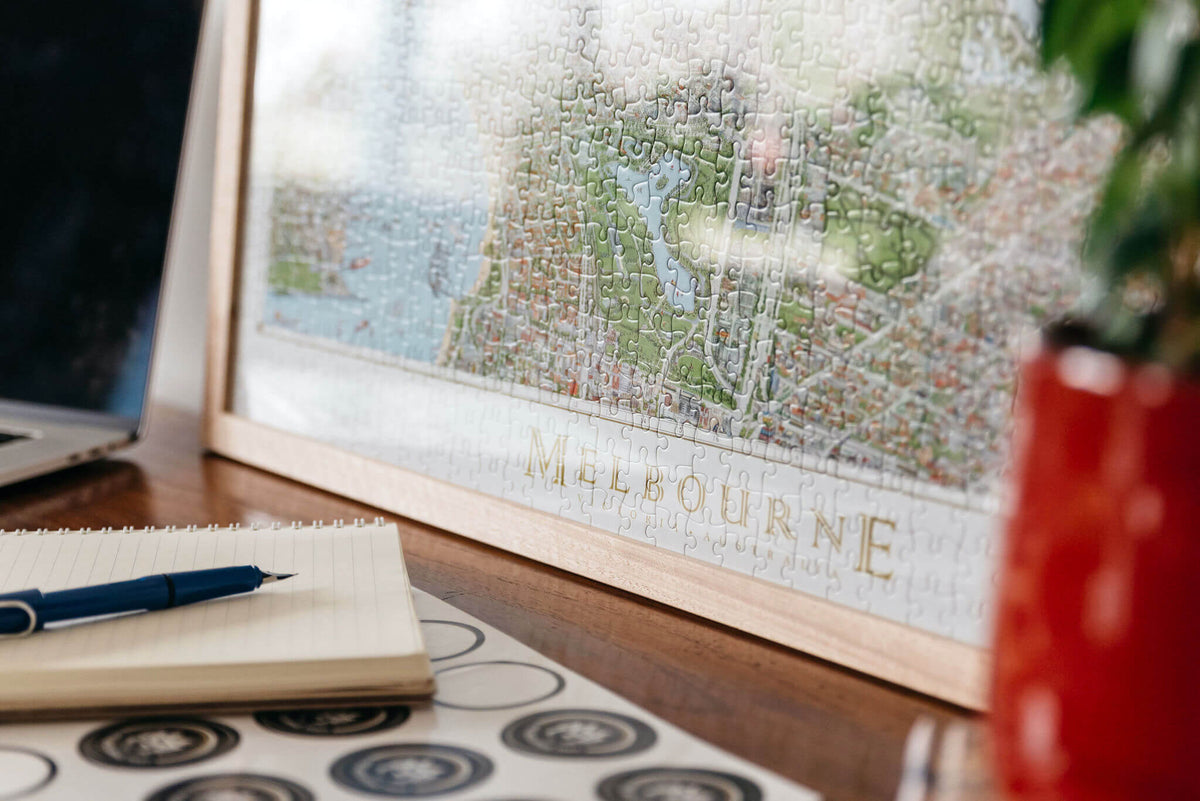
x,y
741,279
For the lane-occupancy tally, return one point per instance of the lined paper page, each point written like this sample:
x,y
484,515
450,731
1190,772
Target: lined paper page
x,y
349,599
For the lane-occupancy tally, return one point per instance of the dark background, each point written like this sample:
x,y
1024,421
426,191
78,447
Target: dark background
x,y
93,99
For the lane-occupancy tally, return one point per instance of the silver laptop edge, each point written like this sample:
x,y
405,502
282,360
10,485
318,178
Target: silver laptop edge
x,y
56,437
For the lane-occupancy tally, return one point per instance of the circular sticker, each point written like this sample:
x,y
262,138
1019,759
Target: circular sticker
x,y
23,772
496,685
655,784
578,733
411,770
446,639
342,722
233,787
157,742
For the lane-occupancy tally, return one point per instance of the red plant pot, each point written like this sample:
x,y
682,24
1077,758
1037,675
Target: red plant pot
x,y
1097,659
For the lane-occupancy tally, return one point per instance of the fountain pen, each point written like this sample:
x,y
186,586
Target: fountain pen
x,y
28,611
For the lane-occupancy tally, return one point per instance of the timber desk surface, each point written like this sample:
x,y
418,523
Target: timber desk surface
x,y
823,726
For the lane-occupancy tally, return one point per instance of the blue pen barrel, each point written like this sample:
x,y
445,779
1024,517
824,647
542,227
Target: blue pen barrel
x,y
203,585
151,592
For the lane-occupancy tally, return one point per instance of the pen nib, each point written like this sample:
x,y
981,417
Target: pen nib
x,y
268,576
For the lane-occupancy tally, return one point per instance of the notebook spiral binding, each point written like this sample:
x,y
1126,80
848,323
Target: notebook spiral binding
x,y
358,522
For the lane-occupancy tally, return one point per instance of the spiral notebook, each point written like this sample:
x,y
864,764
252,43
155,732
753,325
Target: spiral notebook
x,y
342,629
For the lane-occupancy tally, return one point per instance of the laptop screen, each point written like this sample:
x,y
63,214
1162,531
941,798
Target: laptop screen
x,y
93,98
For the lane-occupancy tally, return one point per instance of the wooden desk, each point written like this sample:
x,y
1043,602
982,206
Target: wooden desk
x,y
825,727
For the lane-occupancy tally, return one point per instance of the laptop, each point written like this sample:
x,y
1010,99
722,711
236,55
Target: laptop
x,y
93,101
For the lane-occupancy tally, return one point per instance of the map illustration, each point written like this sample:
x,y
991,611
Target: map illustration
x,y
744,282
822,229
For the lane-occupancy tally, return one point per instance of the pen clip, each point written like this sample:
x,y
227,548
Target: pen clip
x,y
27,609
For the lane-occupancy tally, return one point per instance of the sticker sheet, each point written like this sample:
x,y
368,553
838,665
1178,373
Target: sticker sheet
x,y
741,280
506,724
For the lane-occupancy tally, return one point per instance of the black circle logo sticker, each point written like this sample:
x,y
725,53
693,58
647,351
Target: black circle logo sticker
x,y
411,770
157,742
578,733
233,787
658,784
342,722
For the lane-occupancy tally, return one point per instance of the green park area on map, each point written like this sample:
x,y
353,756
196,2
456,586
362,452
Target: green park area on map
x,y
806,248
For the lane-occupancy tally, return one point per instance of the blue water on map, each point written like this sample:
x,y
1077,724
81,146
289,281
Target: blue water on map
x,y
416,209
648,191
423,255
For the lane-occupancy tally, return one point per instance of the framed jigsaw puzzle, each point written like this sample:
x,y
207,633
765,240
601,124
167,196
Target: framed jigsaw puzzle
x,y
714,302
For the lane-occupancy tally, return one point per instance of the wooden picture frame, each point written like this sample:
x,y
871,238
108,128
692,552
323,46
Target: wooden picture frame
x,y
913,656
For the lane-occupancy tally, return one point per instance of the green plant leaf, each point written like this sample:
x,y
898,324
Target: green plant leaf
x,y
1182,93
1145,243
1140,60
1114,209
1095,37
1113,89
1156,57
